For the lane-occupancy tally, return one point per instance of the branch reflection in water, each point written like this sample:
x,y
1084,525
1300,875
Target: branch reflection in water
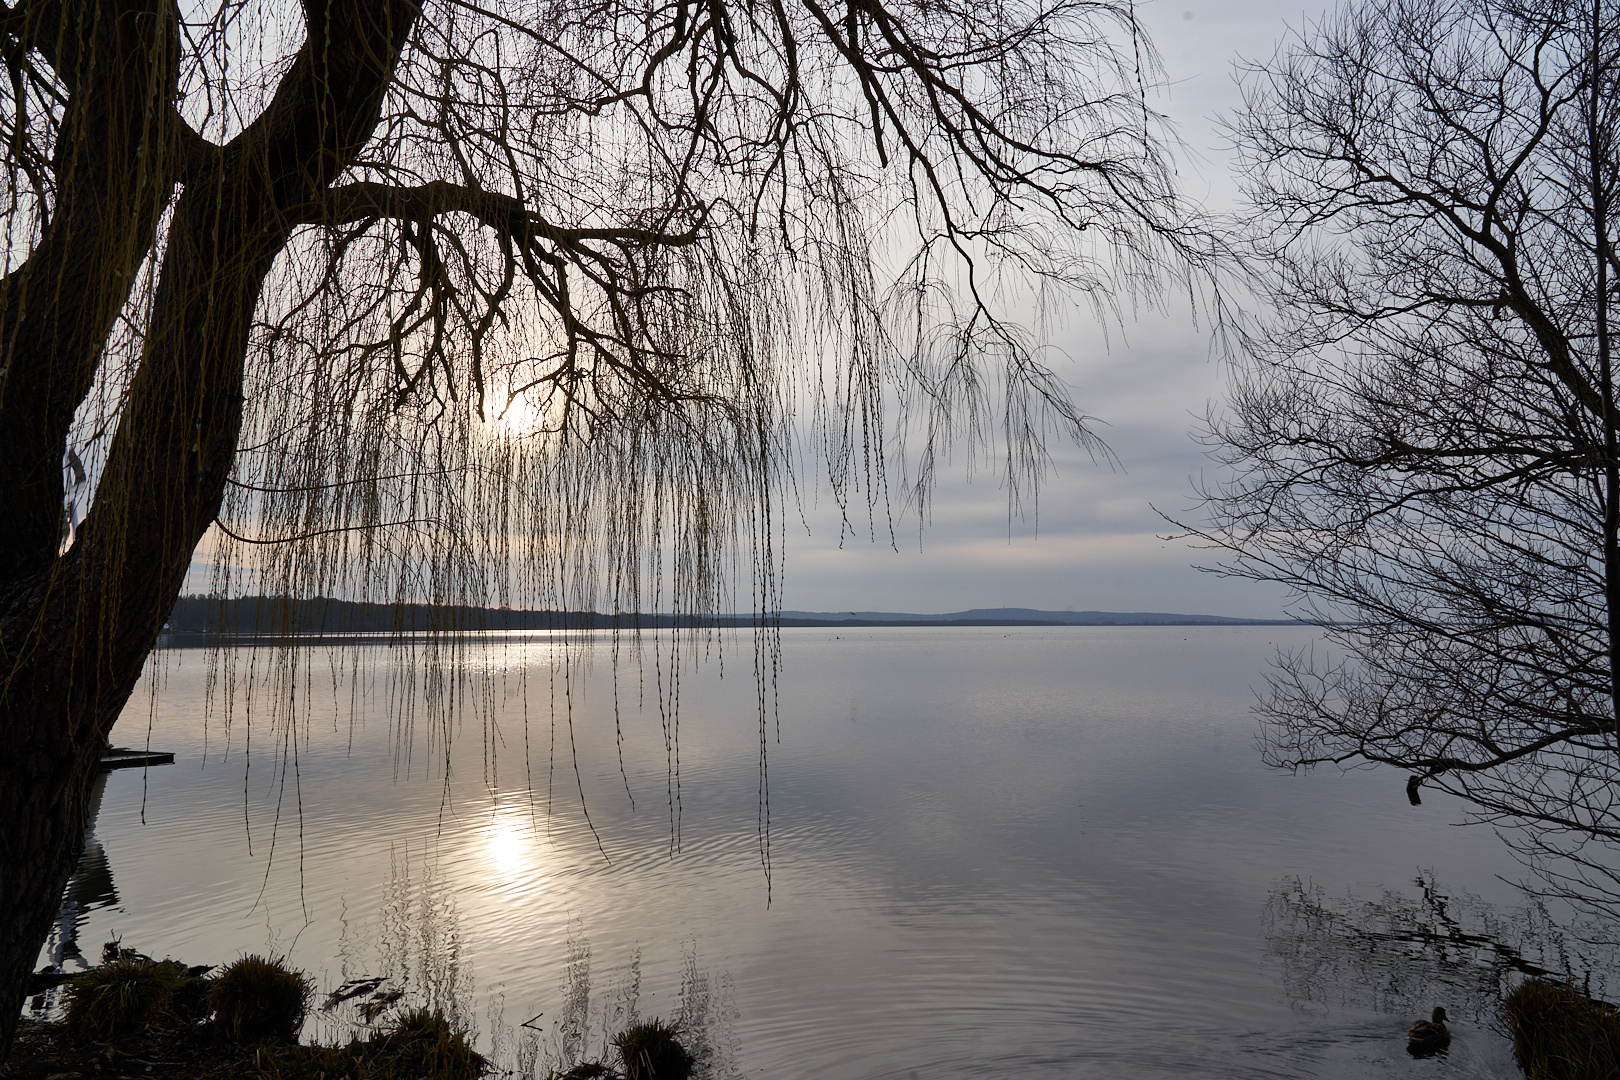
x,y
704,1016
416,957
1404,953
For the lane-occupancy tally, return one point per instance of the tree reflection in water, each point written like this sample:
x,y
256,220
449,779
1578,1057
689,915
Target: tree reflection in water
x,y
90,887
1404,954
415,956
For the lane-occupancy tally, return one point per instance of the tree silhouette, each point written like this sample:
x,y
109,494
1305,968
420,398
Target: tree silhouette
x,y
1423,438
532,303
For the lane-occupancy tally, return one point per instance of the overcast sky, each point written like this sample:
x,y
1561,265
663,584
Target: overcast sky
x,y
1097,542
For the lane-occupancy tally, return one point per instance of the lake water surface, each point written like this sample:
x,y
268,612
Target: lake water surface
x,y
1026,851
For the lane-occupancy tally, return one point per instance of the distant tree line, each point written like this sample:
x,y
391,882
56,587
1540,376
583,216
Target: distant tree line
x,y
205,619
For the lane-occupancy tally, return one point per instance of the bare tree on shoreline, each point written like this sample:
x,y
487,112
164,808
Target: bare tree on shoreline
x,y
1422,441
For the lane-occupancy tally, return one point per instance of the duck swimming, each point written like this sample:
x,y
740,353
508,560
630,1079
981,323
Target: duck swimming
x,y
1428,1036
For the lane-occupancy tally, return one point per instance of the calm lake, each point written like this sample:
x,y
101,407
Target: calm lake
x,y
1028,851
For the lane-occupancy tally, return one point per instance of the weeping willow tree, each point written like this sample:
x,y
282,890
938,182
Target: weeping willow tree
x,y
538,302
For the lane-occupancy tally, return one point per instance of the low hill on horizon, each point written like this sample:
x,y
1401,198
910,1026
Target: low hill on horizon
x,y
1033,616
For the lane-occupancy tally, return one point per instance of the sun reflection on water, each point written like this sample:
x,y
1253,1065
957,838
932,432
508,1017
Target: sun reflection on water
x,y
511,842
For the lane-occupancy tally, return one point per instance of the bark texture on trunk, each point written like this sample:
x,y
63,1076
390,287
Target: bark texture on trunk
x,y
76,628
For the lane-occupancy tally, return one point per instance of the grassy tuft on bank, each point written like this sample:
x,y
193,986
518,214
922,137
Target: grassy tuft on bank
x,y
1561,1034
123,997
160,1019
257,999
419,1045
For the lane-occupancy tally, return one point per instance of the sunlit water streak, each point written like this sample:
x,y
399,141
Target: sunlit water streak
x,y
1020,852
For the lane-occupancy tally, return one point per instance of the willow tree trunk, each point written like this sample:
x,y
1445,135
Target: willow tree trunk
x,y
76,627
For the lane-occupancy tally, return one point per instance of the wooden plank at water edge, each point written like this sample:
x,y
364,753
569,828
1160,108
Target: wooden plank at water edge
x,y
119,757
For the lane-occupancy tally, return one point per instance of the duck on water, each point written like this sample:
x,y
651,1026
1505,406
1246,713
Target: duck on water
x,y
1428,1036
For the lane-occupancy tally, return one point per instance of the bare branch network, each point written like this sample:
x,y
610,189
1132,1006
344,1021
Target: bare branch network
x,y
543,302
1422,437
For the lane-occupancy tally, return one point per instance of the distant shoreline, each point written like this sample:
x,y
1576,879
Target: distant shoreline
x,y
1022,617
199,620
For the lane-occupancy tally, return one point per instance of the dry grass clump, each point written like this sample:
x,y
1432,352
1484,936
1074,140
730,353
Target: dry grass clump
x,y
589,1070
257,999
1561,1034
420,1045
123,997
650,1051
